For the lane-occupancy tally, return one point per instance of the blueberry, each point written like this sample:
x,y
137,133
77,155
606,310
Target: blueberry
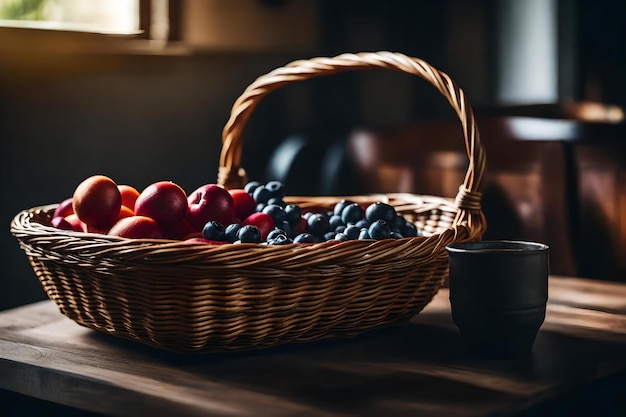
x,y
342,237
352,232
249,234
330,235
338,209
308,214
261,194
363,223
274,233
286,227
231,232
409,230
318,224
277,201
276,212
276,188
251,186
293,213
214,231
340,228
398,223
352,213
335,221
379,230
279,240
304,238
396,235
364,234
380,211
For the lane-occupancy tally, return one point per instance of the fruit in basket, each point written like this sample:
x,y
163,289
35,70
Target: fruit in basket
x,y
97,201
165,202
251,186
293,213
304,238
300,226
61,223
338,209
379,230
125,212
352,213
214,231
231,232
276,189
210,202
380,211
129,195
249,234
244,204
137,227
262,221
276,212
262,194
77,225
180,231
64,208
318,224
280,239
212,214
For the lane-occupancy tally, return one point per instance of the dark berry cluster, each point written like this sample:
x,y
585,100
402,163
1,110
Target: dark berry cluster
x,y
348,220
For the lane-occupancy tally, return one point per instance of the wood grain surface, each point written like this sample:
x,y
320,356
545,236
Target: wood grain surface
x,y
415,368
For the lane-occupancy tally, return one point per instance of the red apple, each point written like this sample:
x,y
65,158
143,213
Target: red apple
x,y
210,202
163,201
244,203
64,209
60,223
263,221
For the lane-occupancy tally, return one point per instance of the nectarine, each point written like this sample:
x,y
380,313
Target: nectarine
x,y
129,195
125,212
137,227
97,201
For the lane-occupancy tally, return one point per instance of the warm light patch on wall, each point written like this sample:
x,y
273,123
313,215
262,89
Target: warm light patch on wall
x,y
99,16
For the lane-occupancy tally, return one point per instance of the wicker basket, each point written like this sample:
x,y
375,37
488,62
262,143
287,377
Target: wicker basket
x,y
198,298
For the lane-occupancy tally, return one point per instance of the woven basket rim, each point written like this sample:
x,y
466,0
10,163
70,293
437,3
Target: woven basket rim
x,y
84,244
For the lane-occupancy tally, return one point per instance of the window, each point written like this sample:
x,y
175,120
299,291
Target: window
x,y
99,16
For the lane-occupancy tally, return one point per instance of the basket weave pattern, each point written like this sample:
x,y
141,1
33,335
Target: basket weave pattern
x,y
198,298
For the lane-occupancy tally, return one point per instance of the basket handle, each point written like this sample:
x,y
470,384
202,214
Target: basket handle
x,y
232,175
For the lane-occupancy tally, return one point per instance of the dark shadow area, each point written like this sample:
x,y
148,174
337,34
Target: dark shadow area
x,y
13,404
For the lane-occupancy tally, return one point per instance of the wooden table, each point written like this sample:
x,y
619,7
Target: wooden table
x,y
416,368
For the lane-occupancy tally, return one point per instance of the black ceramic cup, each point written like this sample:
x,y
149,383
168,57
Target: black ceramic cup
x,y
498,295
